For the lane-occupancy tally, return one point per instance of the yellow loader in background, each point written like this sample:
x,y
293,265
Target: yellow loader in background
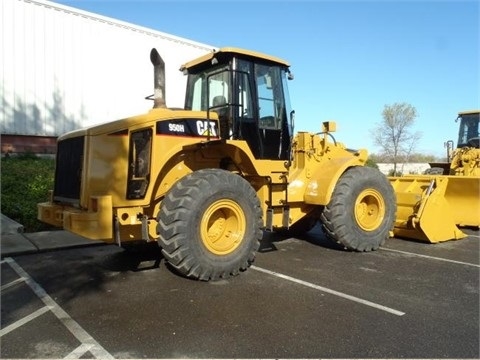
x,y
434,206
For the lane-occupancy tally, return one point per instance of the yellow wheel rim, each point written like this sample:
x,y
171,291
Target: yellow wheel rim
x,y
223,227
369,209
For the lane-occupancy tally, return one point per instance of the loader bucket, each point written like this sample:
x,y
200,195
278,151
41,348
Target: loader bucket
x,y
430,208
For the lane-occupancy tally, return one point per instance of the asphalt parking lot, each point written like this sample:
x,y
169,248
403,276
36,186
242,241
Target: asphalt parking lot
x,y
303,298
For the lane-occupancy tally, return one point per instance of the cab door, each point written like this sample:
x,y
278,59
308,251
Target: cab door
x,y
261,118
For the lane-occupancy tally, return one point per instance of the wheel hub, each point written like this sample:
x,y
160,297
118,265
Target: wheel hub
x,y
369,209
223,227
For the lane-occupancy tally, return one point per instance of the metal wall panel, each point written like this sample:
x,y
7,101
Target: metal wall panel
x,y
64,68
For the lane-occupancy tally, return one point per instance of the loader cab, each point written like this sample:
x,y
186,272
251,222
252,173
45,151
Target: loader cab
x,y
469,134
248,92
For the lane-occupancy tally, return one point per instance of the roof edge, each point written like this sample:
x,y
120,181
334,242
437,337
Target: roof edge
x,y
118,23
234,50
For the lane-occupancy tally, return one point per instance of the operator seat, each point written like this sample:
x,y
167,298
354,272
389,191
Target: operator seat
x,y
219,105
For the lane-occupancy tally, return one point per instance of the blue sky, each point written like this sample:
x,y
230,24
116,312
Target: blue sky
x,y
349,58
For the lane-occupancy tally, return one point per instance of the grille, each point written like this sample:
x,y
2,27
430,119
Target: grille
x,y
68,171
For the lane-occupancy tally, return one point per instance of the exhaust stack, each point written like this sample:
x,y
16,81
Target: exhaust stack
x,y
158,79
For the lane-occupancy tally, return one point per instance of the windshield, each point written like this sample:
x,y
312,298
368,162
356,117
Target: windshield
x,y
251,102
208,89
468,131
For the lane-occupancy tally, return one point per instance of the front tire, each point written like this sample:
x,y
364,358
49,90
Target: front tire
x,y
362,210
210,225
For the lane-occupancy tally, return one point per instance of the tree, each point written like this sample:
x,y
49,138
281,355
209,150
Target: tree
x,y
394,134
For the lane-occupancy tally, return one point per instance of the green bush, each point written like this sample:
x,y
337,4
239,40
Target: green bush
x,y
371,163
26,180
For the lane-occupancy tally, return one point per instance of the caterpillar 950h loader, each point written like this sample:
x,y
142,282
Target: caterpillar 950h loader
x,y
433,206
206,181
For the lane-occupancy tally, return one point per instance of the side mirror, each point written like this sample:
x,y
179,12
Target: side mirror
x,y
292,120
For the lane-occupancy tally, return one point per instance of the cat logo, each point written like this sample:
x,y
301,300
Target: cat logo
x,y
206,128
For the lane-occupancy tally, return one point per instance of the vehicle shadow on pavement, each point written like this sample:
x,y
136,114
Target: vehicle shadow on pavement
x,y
135,257
315,236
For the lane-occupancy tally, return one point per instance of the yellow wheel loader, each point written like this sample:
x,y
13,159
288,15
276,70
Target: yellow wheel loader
x,y
433,207
206,181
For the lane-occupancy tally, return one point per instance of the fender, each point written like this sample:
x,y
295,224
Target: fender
x,y
320,188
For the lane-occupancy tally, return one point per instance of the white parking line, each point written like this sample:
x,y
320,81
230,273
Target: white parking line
x,y
330,291
430,257
24,320
10,284
85,338
79,351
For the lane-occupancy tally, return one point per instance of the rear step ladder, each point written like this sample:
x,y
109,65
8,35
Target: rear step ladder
x,y
285,208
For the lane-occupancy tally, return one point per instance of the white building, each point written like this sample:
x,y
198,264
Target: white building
x,y
404,168
64,68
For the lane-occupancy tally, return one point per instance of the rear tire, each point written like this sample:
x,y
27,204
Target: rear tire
x,y
434,171
362,210
210,225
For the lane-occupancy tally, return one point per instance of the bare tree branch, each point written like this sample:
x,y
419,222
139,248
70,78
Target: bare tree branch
x,y
393,135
